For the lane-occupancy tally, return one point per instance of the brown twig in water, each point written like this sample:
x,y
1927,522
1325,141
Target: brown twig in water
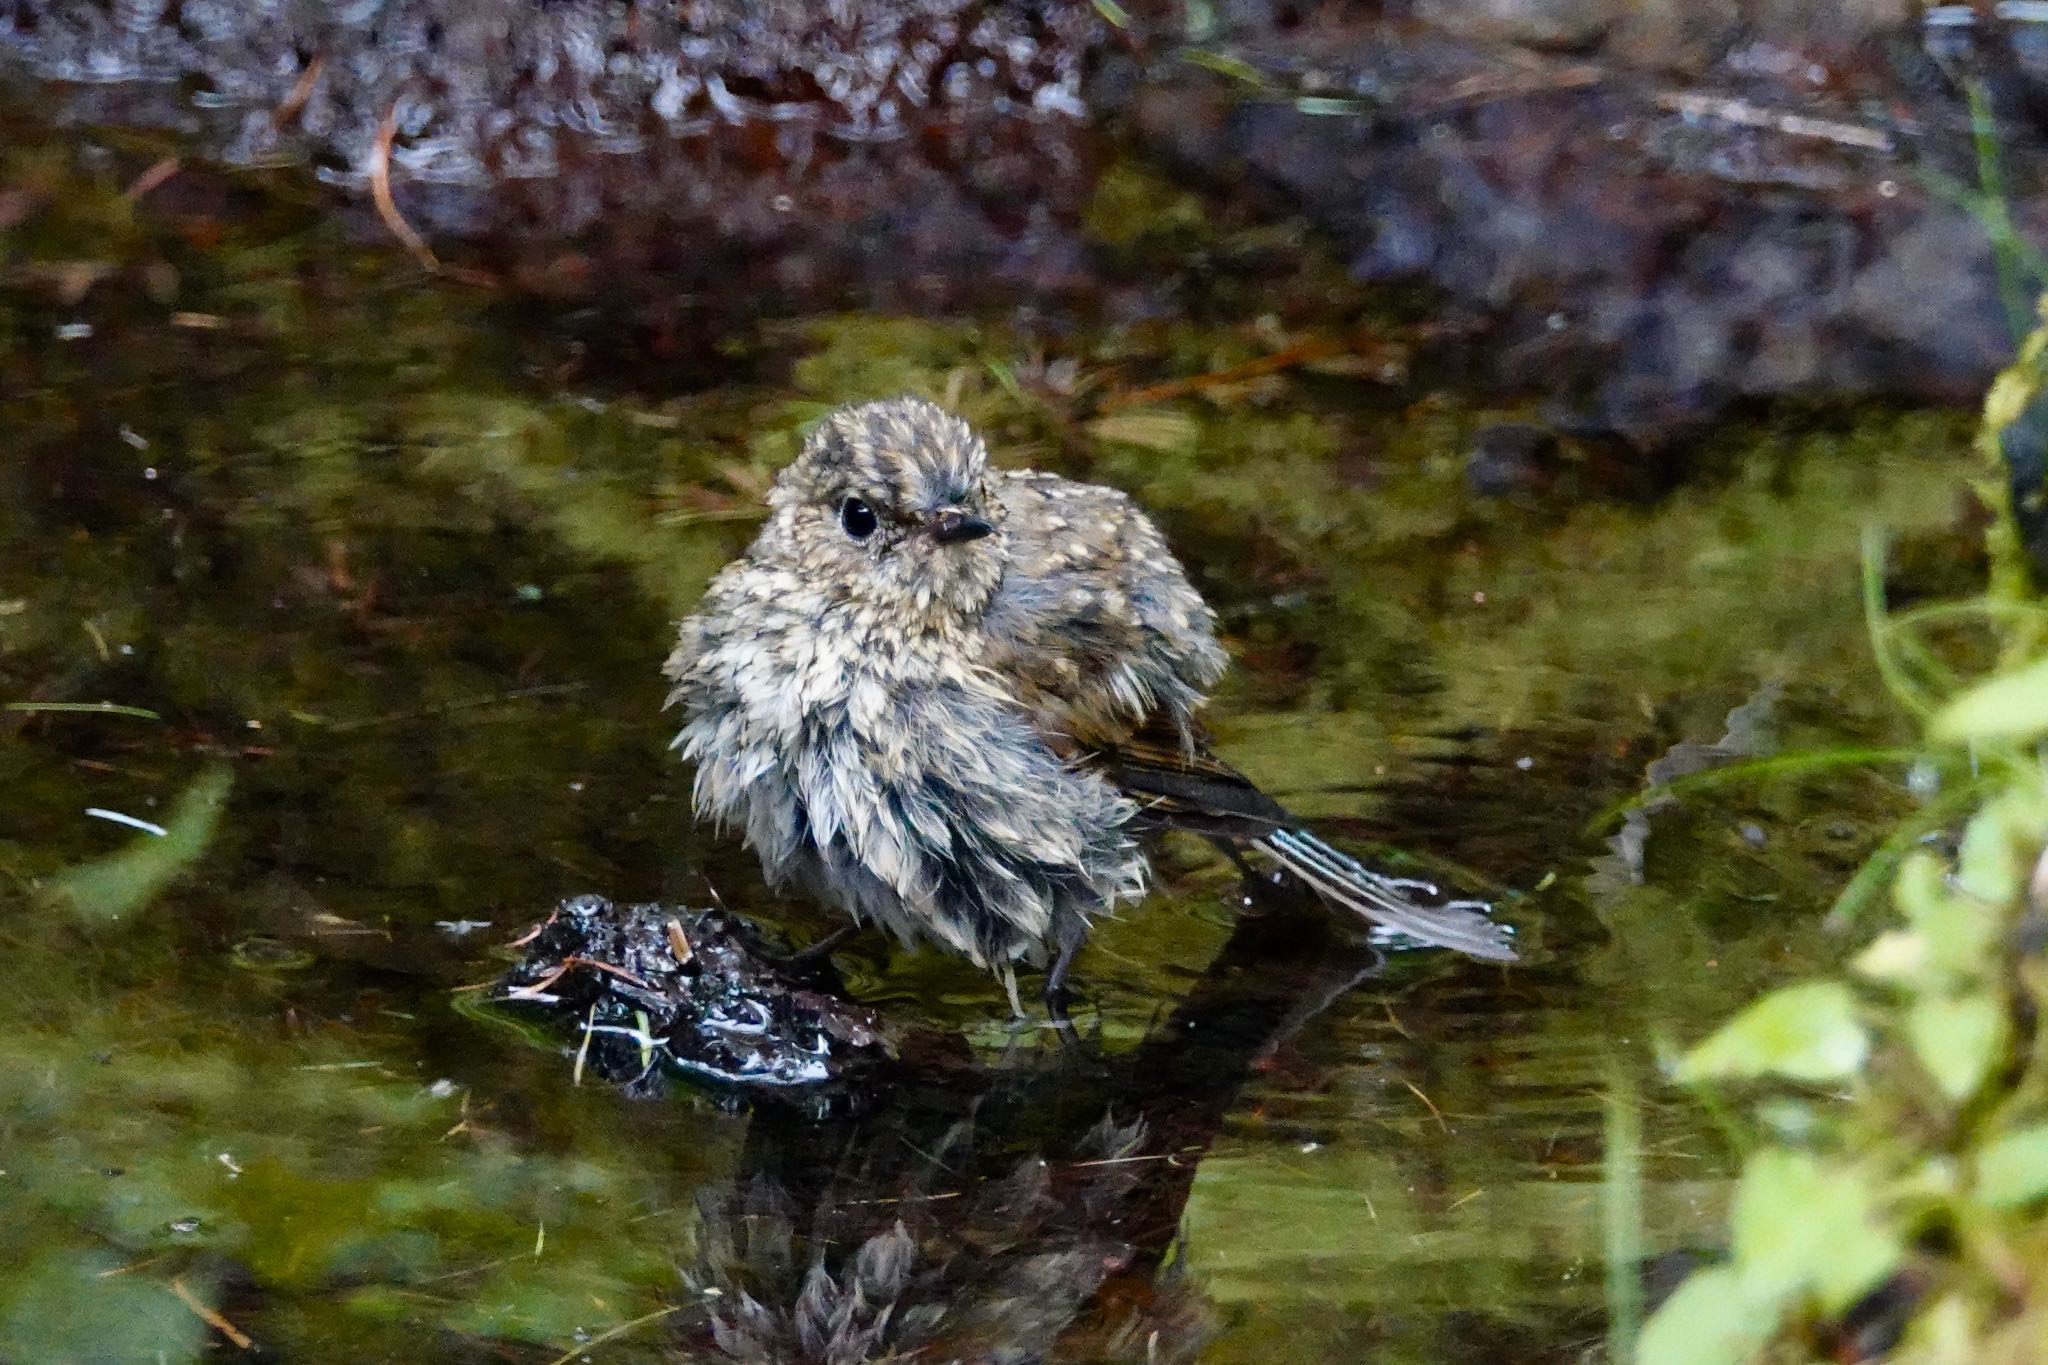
x,y
158,172
1316,348
380,191
620,972
301,91
452,707
1430,1104
536,931
530,991
1487,89
1744,114
210,1317
128,1269
618,1331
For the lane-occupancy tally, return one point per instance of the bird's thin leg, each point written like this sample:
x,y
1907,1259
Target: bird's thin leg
x,y
1071,936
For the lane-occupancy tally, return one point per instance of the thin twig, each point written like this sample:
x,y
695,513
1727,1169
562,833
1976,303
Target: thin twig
x,y
537,988
1744,114
94,708
210,1317
536,931
342,727
619,1331
583,1049
620,972
1434,1112
380,191
128,1269
1317,348
300,93
158,172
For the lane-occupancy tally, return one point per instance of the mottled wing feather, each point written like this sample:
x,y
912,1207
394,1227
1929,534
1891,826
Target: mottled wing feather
x,y
1094,623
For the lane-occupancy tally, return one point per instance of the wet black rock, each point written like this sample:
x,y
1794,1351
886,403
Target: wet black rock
x,y
645,991
1508,458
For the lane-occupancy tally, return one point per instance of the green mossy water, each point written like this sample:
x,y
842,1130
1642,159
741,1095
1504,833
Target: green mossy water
x,y
397,597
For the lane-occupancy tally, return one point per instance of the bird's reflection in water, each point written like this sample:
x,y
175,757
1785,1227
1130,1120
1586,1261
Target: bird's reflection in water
x,y
1023,1212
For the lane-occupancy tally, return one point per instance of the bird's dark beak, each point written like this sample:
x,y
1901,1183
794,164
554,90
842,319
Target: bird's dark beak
x,y
951,527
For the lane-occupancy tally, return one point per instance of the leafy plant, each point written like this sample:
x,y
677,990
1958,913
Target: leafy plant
x,y
1890,1200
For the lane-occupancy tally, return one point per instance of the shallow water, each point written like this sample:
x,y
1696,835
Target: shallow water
x,y
390,566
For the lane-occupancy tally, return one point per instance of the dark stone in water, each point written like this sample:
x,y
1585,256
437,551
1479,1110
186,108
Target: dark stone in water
x,y
651,990
1509,458
1646,251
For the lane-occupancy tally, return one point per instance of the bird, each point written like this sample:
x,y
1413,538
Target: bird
x,y
949,698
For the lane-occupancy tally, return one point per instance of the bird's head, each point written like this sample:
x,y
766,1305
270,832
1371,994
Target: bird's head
x,y
890,502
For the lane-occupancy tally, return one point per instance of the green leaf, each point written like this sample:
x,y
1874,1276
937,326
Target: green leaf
x,y
1225,65
1955,932
117,885
1805,1033
1801,1227
1999,849
2011,706
1709,1321
1958,1040
2014,1169
1898,957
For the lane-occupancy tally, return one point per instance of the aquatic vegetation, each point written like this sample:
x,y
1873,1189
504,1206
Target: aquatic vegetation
x,y
1890,1202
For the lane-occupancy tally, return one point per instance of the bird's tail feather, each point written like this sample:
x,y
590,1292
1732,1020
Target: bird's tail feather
x,y
1409,907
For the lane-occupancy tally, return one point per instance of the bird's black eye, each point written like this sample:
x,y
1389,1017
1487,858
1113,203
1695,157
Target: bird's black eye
x,y
858,518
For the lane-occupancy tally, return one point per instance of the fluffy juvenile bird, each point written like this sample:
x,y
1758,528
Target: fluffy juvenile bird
x,y
944,697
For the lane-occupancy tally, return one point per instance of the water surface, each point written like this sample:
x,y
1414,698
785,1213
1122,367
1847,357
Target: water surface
x,y
391,564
